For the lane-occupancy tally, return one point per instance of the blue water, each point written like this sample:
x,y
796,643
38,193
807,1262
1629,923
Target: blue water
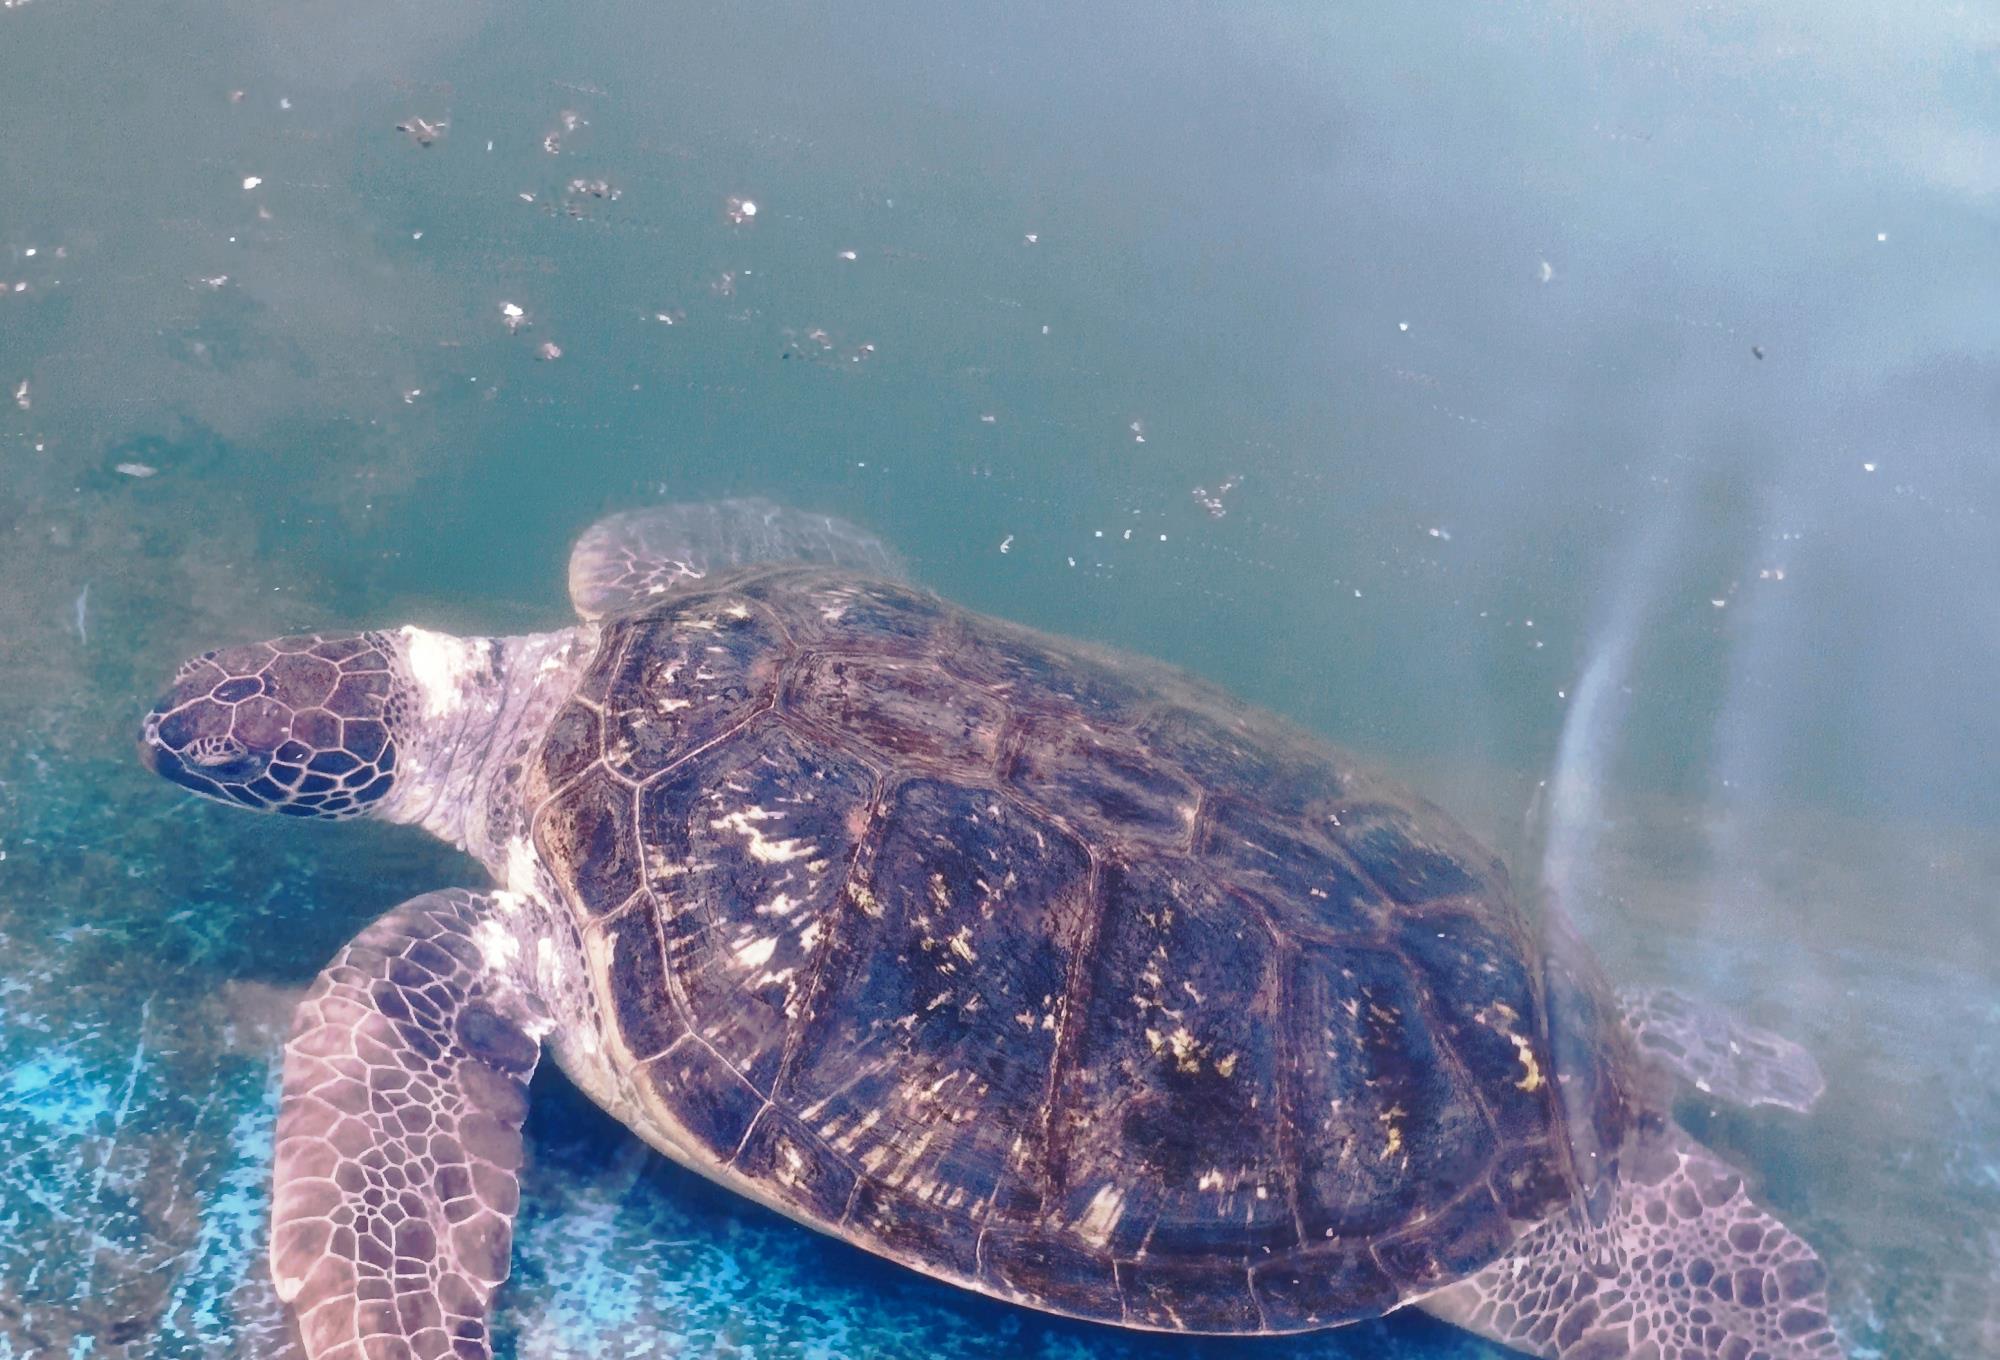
x,y
1586,411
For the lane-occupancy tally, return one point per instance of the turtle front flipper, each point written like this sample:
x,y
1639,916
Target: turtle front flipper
x,y
640,555
399,1138
1686,1265
1717,1053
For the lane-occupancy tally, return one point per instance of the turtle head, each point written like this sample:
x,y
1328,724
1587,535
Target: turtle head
x,y
304,726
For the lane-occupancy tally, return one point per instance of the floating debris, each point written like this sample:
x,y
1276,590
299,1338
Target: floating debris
x,y
673,316
1031,238
595,188
215,281
1007,543
1441,533
548,351
740,211
988,418
816,345
1138,429
82,606
515,317
21,398
1757,350
1546,272
423,131
1211,501
849,255
724,286
569,120
410,397
140,470
251,181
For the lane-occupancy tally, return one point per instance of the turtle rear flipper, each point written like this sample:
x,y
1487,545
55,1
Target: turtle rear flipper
x,y
399,1139
1686,1265
640,555
1718,1054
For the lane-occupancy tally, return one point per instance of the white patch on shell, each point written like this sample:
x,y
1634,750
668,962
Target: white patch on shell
x,y
1101,1216
757,953
445,668
763,849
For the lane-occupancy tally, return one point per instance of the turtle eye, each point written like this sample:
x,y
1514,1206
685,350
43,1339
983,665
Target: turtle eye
x,y
212,753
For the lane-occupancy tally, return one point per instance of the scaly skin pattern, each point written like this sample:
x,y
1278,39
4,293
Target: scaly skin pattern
x,y
1688,1268
399,1140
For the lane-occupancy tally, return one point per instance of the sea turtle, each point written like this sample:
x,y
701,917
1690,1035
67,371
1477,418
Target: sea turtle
x,y
1052,973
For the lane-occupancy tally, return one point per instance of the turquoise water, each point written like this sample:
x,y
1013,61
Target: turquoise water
x,y
1587,412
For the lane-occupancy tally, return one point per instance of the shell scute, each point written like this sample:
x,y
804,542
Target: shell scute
x,y
1413,861
1028,670
573,742
712,1103
1229,751
685,677
648,1021
913,1227
1389,1127
1103,776
782,1152
746,847
1187,1296
928,1042
1456,1240
1327,1282
1170,1115
1480,990
903,710
587,837
1052,1268
1304,888
831,607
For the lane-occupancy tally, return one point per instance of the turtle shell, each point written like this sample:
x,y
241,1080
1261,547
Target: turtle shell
x,y
1055,974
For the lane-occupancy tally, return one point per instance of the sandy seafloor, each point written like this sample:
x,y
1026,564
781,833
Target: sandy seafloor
x,y
1414,378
